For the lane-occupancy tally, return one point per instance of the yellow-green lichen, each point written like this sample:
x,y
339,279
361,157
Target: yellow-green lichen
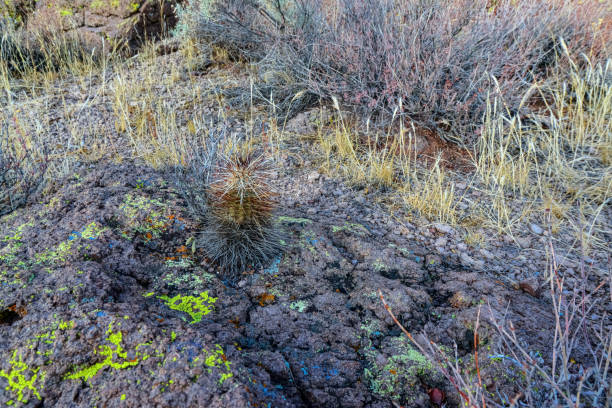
x,y
196,306
13,242
379,265
182,263
303,221
114,357
61,252
66,325
22,378
97,5
192,281
216,359
393,377
308,239
145,216
165,385
53,202
354,228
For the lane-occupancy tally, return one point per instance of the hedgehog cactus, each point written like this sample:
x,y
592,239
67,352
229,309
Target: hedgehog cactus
x,y
240,195
239,229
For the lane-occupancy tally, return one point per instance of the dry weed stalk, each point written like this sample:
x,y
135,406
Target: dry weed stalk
x,y
562,382
22,171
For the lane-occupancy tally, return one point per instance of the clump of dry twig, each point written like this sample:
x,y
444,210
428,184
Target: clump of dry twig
x,y
22,171
442,59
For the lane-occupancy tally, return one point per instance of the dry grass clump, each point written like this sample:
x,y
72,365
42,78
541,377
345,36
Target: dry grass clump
x,y
25,54
387,161
441,58
559,160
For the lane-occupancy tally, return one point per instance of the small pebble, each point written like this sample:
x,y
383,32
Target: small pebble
x,y
314,176
440,242
524,242
443,228
536,229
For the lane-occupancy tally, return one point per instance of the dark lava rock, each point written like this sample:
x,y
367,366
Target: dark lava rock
x,y
104,301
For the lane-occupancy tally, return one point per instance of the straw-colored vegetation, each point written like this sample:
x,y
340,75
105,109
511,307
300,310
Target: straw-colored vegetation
x,y
545,146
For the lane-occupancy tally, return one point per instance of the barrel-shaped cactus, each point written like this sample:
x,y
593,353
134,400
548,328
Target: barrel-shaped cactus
x,y
239,231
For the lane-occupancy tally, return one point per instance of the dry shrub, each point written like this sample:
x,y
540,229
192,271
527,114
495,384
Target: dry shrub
x,y
440,57
22,170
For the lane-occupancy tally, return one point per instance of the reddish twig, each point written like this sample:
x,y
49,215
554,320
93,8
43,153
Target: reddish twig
x,y
422,350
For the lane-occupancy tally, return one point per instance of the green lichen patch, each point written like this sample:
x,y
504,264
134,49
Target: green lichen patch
x,y
180,263
13,242
114,356
352,228
308,240
13,268
379,265
195,306
145,216
77,241
44,342
209,360
299,306
291,220
193,281
216,359
22,379
394,377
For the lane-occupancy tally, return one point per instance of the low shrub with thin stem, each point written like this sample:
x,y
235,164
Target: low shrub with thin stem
x,y
22,171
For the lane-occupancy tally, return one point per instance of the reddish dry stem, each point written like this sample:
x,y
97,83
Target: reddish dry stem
x,y
463,395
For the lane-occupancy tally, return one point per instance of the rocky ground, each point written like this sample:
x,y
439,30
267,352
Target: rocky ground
x,y
105,301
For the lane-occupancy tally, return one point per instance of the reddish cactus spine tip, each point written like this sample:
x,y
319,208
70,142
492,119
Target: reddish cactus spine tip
x,y
240,193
